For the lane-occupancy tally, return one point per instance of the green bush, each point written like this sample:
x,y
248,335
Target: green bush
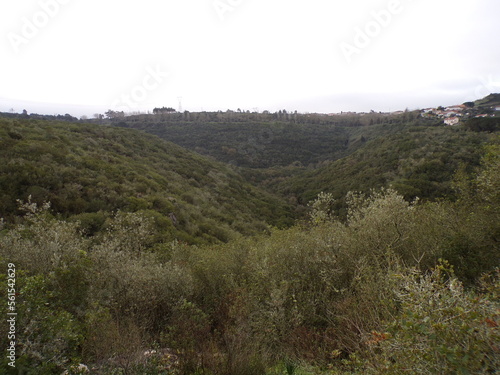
x,y
48,337
440,329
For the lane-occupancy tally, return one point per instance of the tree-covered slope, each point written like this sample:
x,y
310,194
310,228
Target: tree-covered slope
x,y
391,285
258,141
256,145
418,161
492,100
87,171
298,159
396,286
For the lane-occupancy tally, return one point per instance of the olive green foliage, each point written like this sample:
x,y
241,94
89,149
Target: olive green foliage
x,y
99,299
263,140
393,285
417,162
474,243
322,208
253,144
361,295
488,101
89,171
303,156
48,335
483,124
440,328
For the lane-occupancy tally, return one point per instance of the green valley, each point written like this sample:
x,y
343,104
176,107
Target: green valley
x,y
234,243
89,171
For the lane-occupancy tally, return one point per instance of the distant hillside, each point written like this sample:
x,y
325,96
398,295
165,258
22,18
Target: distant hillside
x,y
259,141
418,161
492,100
88,171
417,156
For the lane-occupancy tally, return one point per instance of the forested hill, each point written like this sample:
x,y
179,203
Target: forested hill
x,y
417,161
88,172
154,259
264,140
299,157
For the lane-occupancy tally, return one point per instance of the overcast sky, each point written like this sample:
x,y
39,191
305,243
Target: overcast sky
x,y
87,56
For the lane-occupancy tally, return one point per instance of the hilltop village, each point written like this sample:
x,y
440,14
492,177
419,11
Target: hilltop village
x,y
452,115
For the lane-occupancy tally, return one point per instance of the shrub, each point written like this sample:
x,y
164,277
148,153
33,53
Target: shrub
x,y
42,244
441,328
48,338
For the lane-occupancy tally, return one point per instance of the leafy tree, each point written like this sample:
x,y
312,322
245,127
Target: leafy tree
x,y
483,124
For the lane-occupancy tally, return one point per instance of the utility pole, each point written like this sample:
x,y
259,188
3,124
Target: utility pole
x,y
180,103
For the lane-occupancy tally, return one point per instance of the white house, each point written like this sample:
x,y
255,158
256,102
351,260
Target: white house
x,y
457,108
451,120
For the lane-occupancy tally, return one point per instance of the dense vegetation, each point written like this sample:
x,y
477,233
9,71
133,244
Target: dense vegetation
x,y
483,124
265,140
418,161
151,259
486,103
337,154
89,171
